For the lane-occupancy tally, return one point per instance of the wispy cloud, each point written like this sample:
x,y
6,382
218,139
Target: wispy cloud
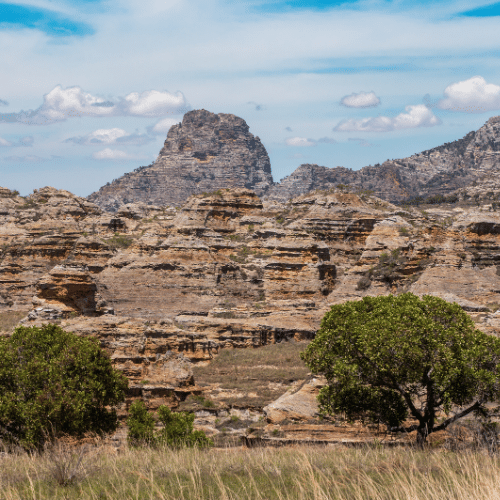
x,y
60,104
471,96
304,142
23,141
48,21
257,106
114,154
414,116
361,100
26,159
3,103
111,136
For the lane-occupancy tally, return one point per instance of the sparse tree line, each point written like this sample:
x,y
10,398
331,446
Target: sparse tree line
x,y
407,363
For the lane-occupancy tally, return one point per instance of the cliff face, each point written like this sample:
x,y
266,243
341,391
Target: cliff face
x,y
204,153
447,169
166,289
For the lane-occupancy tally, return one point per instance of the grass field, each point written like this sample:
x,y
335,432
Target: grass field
x,y
257,376
315,473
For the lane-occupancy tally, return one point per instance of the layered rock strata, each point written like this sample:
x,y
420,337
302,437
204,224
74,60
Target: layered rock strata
x,y
470,162
204,153
163,288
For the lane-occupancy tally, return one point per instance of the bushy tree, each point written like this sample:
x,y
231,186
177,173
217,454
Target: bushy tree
x,y
177,430
393,357
54,383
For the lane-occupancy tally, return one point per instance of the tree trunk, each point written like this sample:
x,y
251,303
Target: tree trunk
x,y
422,433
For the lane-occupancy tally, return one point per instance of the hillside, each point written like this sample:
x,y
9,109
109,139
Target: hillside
x,y
167,290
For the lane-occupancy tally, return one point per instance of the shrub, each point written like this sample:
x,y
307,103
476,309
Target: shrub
x,y
177,428
54,383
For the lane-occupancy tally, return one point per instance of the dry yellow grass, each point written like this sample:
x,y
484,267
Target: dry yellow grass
x,y
8,320
300,473
266,371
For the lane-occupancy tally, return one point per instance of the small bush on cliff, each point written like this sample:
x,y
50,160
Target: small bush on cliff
x,y
390,358
177,430
54,383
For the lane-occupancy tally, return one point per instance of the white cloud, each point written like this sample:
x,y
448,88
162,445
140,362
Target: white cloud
x,y
361,100
60,104
300,142
111,136
163,126
110,154
153,103
413,117
471,96
5,142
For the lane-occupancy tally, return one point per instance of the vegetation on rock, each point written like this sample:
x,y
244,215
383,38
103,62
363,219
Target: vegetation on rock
x,y
54,383
394,357
177,430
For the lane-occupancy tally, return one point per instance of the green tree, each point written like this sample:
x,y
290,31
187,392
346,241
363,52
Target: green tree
x,y
54,383
394,357
177,430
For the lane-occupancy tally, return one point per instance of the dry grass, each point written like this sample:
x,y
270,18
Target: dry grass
x,y
265,372
9,319
315,473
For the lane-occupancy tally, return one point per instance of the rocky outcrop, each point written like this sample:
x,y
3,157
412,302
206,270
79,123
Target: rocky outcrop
x,y
165,288
468,166
204,153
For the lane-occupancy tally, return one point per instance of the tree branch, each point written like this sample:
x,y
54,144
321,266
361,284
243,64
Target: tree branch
x,y
463,413
412,428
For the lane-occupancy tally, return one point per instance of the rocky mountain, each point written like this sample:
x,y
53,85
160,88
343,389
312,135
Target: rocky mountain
x,y
447,170
204,153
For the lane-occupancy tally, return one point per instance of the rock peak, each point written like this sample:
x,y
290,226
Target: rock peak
x,y
203,153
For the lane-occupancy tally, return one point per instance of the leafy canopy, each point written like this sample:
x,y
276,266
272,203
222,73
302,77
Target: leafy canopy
x,y
55,383
177,428
393,357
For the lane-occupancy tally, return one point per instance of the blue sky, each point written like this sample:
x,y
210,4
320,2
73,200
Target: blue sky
x,y
90,88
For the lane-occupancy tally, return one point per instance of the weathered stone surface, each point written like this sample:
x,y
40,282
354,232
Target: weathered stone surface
x,y
299,403
228,270
468,166
204,153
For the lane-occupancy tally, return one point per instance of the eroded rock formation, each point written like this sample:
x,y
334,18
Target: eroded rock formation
x,y
204,153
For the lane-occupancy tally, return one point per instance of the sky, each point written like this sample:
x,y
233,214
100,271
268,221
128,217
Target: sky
x,y
89,88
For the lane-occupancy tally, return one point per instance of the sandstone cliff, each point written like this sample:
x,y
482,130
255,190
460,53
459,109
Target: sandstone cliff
x,y
167,289
204,153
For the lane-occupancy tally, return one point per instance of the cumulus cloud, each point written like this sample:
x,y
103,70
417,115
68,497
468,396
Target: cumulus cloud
x,y
163,126
110,154
413,117
111,136
60,104
300,142
471,96
361,100
5,142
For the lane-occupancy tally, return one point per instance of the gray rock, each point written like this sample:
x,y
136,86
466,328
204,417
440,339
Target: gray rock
x,y
204,153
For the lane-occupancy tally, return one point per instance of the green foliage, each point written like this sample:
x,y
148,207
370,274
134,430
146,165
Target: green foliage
x,y
387,358
54,383
119,241
177,428
141,424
